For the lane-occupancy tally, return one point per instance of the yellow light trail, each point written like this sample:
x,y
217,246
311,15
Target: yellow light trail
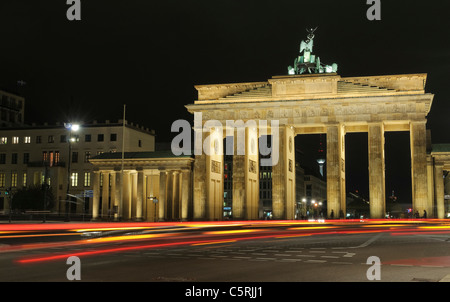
x,y
230,232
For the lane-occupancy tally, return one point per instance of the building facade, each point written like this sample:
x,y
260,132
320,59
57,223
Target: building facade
x,y
52,154
12,109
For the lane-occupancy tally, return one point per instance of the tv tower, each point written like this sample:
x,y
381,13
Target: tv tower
x,y
321,156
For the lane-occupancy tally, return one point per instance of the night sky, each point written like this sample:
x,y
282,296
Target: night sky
x,y
150,54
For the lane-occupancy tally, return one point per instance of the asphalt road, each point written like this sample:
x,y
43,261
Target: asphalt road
x,y
305,253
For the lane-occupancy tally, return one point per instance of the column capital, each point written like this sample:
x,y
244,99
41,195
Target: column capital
x,y
418,122
439,164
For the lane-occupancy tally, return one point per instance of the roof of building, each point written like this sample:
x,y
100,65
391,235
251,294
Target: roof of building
x,y
93,124
137,155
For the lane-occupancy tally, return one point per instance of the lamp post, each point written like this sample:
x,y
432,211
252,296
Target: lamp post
x,y
71,128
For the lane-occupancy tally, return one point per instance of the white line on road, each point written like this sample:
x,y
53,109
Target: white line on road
x,y
315,261
367,243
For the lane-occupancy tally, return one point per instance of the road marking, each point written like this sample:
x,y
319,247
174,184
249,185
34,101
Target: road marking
x,y
445,279
315,261
265,258
348,255
331,257
338,262
367,243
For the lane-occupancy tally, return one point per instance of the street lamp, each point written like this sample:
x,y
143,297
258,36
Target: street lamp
x,y
71,128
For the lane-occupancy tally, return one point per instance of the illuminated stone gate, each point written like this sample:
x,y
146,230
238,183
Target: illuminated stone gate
x,y
309,104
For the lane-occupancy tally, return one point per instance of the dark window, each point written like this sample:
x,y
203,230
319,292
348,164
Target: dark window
x,y
2,158
113,137
26,158
87,138
140,143
38,139
14,158
63,139
100,138
74,157
51,139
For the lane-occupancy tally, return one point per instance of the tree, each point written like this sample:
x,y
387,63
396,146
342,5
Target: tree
x,y
32,198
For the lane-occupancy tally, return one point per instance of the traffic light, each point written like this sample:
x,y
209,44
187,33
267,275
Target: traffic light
x,y
7,191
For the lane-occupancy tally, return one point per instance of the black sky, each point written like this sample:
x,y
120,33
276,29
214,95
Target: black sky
x,y
150,54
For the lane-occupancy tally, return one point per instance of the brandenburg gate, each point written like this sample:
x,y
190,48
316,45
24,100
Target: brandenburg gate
x,y
311,99
310,104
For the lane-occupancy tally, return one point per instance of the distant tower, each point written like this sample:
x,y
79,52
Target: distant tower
x,y
321,157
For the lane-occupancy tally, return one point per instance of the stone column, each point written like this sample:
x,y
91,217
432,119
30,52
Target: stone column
x,y
377,194
126,204
105,194
96,195
283,175
439,190
140,194
118,195
133,183
162,195
176,196
169,197
185,194
251,167
419,167
112,176
335,170
238,183
213,146
430,183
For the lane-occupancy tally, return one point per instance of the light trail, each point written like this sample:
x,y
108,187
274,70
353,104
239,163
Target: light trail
x,y
172,236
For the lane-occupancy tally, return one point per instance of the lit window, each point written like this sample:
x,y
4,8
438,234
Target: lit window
x,y
27,140
4,140
24,179
15,140
74,179
2,179
44,156
14,179
87,179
